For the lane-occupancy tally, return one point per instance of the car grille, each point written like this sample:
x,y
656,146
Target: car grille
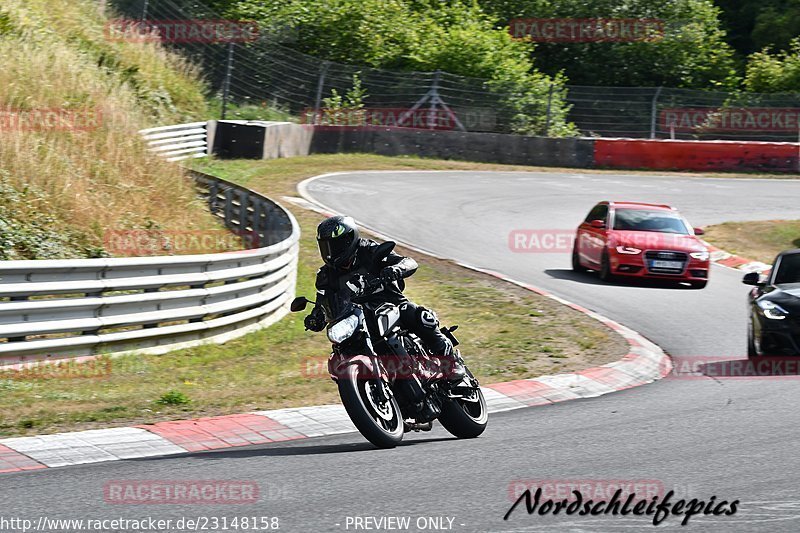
x,y
665,255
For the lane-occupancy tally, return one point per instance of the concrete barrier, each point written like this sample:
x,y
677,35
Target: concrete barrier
x,y
467,146
274,140
697,155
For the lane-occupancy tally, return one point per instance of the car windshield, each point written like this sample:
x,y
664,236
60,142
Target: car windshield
x,y
788,269
644,220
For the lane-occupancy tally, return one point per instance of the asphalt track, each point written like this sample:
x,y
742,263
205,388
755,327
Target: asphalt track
x,y
730,438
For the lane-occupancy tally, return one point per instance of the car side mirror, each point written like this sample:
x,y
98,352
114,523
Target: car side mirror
x,y
599,224
699,231
752,278
299,303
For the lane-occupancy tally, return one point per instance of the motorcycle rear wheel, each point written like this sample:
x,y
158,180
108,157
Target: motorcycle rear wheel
x,y
465,418
379,421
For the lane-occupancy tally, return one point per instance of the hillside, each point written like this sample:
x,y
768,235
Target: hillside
x,y
71,165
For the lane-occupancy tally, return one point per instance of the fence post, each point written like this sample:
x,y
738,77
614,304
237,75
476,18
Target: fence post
x,y
653,111
320,86
144,10
549,108
226,86
432,117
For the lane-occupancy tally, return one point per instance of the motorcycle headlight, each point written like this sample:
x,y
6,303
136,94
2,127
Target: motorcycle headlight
x,y
628,250
702,256
772,310
342,330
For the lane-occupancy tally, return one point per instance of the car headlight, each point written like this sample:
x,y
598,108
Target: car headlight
x,y
702,256
628,250
342,330
772,310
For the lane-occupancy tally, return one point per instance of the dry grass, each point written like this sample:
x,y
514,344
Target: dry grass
x,y
92,171
761,240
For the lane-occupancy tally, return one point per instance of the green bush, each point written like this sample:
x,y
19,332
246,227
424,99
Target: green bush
x,y
692,53
771,73
173,398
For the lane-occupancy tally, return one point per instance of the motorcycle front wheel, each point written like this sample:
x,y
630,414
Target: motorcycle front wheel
x,y
372,408
465,417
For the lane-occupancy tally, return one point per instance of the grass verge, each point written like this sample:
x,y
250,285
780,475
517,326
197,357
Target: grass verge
x,y
761,240
506,332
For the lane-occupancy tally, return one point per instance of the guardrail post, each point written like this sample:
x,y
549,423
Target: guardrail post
x,y
213,193
243,212
228,207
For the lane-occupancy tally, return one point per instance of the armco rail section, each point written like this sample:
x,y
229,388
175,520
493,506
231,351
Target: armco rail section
x,y
178,142
68,308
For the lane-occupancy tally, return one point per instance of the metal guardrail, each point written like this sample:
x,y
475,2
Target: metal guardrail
x,y
178,142
56,309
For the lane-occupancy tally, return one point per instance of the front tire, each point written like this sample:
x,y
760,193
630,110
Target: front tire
x,y
576,261
699,284
605,268
465,419
379,421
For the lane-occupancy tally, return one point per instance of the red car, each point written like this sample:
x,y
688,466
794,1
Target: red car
x,y
632,239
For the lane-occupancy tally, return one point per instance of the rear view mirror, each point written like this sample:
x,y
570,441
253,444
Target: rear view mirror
x,y
699,231
298,304
599,224
383,250
752,278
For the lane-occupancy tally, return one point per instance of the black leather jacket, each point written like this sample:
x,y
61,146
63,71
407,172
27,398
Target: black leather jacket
x,y
330,280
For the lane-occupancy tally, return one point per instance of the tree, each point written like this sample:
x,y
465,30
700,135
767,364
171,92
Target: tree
x,y
422,35
692,52
779,72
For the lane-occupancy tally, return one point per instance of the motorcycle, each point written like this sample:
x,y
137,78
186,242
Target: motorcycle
x,y
404,388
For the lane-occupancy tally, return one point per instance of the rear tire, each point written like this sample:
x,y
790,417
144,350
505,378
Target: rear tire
x,y
605,268
465,419
379,422
576,262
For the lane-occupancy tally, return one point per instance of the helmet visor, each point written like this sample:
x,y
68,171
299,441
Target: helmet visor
x,y
334,250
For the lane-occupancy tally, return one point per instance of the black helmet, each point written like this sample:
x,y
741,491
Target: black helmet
x,y
338,241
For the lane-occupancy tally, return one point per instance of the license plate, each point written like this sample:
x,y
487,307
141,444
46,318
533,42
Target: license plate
x,y
678,265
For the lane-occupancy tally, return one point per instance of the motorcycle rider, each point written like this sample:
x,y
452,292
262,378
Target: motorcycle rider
x,y
349,260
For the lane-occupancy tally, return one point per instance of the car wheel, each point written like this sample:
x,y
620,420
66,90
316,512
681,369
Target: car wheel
x,y
576,262
751,343
698,284
605,268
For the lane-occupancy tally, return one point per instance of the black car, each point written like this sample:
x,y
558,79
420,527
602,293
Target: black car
x,y
774,326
